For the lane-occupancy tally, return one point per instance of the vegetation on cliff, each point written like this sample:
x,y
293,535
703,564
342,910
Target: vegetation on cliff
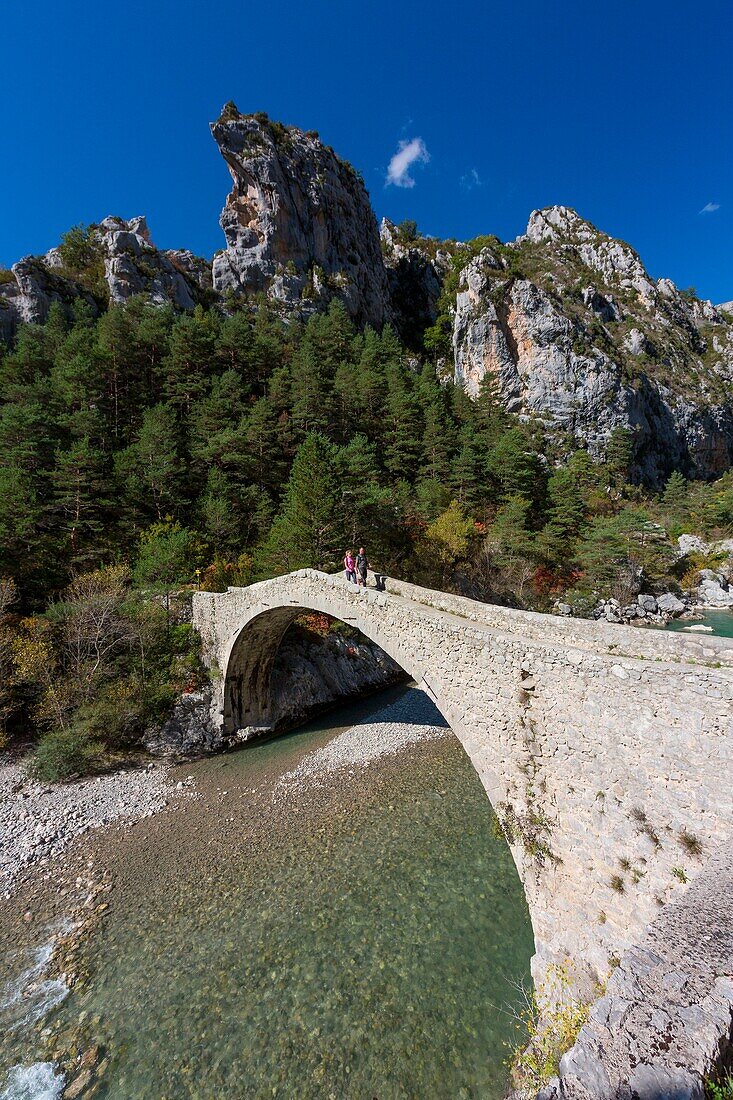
x,y
145,449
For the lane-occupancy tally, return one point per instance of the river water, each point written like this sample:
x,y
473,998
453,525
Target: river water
x,y
720,623
310,926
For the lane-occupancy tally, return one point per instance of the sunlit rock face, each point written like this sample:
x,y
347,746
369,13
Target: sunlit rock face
x,y
124,263
576,333
133,265
298,223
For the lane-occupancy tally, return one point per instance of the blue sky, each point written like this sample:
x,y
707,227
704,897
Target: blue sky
x,y
621,110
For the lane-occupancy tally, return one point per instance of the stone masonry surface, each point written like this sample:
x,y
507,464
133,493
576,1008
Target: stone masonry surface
x,y
664,1023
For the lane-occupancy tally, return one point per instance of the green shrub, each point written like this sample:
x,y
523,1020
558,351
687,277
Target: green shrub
x,y
722,1089
547,1027
64,753
6,276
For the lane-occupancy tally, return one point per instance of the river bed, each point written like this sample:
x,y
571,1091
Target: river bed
x,y
333,914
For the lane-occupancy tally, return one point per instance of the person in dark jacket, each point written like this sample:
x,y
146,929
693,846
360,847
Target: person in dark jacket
x,y
362,567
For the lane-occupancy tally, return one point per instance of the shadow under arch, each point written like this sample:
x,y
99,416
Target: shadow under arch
x,y
248,699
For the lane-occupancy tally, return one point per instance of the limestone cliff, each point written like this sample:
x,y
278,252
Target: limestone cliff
x,y
577,334
117,259
298,223
28,291
416,267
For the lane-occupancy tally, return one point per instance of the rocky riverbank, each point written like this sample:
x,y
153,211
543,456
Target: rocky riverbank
x,y
38,822
701,588
314,669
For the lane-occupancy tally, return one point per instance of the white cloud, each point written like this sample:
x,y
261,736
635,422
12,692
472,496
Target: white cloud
x,y
709,208
408,153
470,180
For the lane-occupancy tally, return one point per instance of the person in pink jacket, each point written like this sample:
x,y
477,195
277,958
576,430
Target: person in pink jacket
x,y
350,566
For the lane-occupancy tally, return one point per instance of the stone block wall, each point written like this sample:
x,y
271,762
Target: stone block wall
x,y
606,752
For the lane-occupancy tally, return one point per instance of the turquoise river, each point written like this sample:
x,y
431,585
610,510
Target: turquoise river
x,y
356,930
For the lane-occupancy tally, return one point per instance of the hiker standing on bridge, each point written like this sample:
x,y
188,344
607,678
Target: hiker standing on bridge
x,y
362,566
350,566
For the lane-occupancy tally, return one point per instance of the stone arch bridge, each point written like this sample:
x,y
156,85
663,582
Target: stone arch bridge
x,y
605,750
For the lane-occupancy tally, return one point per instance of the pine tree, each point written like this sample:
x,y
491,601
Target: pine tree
x,y
368,506
490,416
309,531
466,475
403,427
219,511
675,498
565,516
436,443
190,360
311,392
263,436
514,466
212,419
79,480
78,376
20,514
124,370
151,469
619,454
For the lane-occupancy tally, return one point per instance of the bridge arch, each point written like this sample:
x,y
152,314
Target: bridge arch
x,y
252,650
601,748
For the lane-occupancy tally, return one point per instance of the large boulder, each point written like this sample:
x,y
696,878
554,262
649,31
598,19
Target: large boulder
x,y
189,731
669,604
298,223
691,544
713,589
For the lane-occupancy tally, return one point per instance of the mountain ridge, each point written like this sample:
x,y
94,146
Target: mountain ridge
x,y
564,320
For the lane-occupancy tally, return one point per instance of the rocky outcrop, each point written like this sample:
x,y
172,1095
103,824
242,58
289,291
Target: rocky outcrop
x,y
298,223
188,731
714,590
30,289
416,267
576,333
644,609
310,673
133,265
123,262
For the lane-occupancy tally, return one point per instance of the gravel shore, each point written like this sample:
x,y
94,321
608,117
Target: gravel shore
x,y
409,719
69,854
38,822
